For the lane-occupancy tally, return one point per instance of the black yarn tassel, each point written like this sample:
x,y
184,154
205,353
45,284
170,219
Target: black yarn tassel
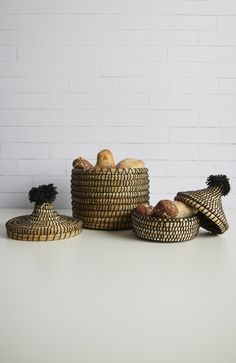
x,y
221,181
43,194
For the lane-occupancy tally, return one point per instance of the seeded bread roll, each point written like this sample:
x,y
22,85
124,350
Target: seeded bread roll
x,y
130,163
105,160
144,209
81,163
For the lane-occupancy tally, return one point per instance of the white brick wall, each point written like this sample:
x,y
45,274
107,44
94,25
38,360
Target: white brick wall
x,y
153,79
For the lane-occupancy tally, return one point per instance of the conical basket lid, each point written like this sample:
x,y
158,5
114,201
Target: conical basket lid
x,y
44,224
208,202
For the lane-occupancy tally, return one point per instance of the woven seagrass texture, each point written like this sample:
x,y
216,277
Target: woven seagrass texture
x,y
44,224
165,229
208,203
104,199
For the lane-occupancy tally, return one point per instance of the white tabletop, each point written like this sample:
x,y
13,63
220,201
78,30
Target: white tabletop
x,y
107,297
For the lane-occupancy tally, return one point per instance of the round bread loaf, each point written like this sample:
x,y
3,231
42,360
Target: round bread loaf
x,y
130,163
105,160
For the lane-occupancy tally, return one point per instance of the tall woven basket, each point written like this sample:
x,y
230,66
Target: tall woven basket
x,y
104,199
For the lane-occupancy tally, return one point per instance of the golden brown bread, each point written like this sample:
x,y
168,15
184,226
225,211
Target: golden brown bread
x,y
130,163
81,163
105,160
183,210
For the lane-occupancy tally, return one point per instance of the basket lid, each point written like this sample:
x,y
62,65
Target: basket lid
x,y
208,202
44,224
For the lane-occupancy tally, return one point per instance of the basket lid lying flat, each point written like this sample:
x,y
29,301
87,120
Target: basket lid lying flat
x,y
209,204
44,224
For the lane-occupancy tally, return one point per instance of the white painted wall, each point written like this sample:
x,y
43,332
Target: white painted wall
x,y
152,79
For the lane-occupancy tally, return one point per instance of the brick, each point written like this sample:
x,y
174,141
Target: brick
x,y
73,117
227,86
174,152
165,185
218,152
217,38
124,69
142,135
9,85
176,118
91,85
202,54
228,118
7,167
7,53
23,117
196,135
22,101
41,167
44,84
123,117
172,37
166,22
173,101
209,118
226,23
193,85
217,102
189,168
25,151
9,22
15,184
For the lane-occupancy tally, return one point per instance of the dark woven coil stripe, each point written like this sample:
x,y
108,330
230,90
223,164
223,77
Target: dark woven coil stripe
x,y
85,195
104,207
112,172
131,185
109,225
165,229
100,214
105,201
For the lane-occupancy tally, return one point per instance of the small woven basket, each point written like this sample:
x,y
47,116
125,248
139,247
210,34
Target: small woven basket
x,y
165,229
104,199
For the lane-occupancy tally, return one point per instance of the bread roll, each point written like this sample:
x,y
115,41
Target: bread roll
x,y
81,163
183,210
165,208
105,160
130,164
144,209
173,209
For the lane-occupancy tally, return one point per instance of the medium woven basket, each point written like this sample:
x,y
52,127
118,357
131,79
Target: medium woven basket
x,y
165,229
104,199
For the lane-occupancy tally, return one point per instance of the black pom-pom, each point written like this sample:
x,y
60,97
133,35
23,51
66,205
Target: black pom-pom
x,y
43,194
220,181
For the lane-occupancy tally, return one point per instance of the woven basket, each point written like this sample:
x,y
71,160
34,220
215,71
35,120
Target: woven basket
x,y
104,199
165,229
44,224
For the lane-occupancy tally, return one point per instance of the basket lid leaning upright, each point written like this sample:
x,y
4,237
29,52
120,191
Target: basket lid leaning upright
x,y
208,202
44,224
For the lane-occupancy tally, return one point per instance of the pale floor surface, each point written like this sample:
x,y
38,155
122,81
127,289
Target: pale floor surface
x,y
107,297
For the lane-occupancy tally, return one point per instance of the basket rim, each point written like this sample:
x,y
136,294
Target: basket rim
x,y
163,219
110,171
